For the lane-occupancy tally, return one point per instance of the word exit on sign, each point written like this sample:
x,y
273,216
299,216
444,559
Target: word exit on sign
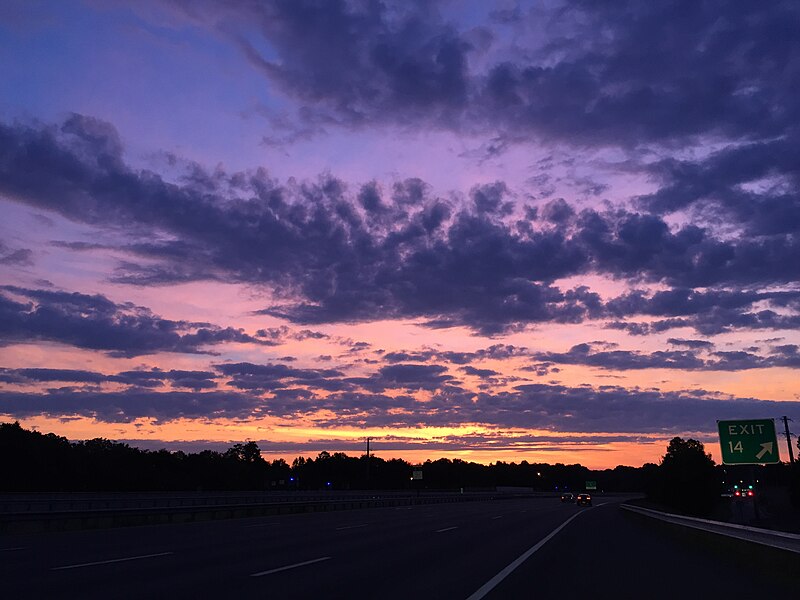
x,y
750,442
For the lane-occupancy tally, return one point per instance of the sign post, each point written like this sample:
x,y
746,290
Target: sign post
x,y
751,442
416,476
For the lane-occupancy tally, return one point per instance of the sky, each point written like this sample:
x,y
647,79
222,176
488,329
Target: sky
x,y
553,231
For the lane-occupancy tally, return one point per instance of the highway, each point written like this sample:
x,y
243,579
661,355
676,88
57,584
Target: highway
x,y
451,551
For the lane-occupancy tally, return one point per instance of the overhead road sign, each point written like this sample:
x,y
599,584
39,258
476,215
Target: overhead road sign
x,y
751,442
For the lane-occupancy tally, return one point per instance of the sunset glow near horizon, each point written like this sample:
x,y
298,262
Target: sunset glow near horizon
x,y
544,231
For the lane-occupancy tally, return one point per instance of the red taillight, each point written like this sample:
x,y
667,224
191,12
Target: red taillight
x,y
737,493
749,492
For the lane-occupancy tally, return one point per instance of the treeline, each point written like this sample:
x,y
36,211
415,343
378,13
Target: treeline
x,y
686,479
33,461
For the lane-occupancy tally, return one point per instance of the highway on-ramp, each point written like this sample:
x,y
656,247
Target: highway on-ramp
x,y
513,548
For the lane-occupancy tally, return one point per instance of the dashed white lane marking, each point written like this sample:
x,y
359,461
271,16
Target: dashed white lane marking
x,y
494,581
351,526
113,560
497,517
294,566
262,525
11,549
445,529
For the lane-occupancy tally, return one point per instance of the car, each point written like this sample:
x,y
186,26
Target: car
x,y
584,500
567,497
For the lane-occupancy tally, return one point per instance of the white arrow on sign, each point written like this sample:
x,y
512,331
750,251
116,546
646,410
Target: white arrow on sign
x,y
765,447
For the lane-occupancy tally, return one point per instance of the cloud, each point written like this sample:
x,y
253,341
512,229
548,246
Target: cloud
x,y
586,73
622,360
406,376
31,375
128,405
360,59
22,257
271,377
582,409
753,184
686,360
196,380
333,255
143,378
495,352
709,312
693,344
483,373
95,322
396,357
500,442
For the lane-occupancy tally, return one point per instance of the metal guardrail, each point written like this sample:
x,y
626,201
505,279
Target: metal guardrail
x,y
54,502
103,503
774,539
57,520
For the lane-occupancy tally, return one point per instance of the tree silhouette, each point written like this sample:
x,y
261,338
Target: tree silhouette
x,y
687,478
46,462
248,452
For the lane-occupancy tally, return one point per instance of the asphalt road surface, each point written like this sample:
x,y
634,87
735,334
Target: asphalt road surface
x,y
451,551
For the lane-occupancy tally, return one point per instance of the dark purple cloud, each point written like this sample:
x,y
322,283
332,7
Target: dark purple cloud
x,y
271,377
717,185
693,344
625,73
150,378
129,405
95,322
685,360
406,376
343,257
15,256
35,375
538,406
482,373
500,442
196,380
359,59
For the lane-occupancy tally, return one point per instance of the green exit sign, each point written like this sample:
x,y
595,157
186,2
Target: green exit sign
x,y
750,442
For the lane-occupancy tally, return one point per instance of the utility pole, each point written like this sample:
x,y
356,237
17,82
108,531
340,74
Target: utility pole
x,y
368,439
788,438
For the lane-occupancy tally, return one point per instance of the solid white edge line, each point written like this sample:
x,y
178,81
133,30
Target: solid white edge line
x,y
445,529
294,566
494,581
113,560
